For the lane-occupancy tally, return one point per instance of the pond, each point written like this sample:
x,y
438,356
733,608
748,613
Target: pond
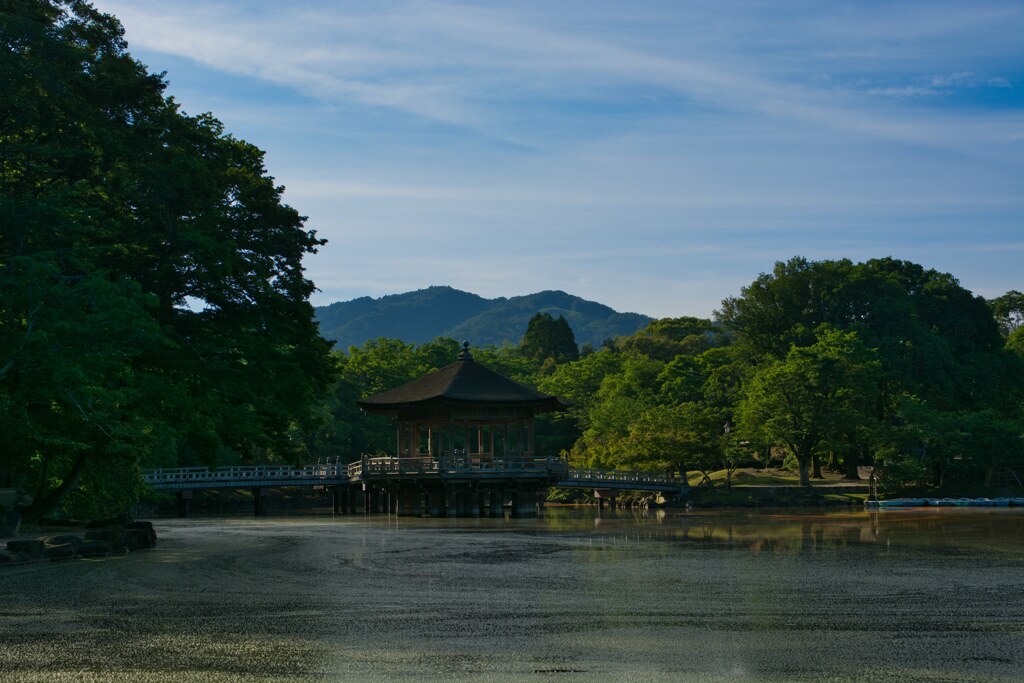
x,y
916,595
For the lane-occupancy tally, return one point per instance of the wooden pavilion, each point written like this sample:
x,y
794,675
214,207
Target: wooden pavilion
x,y
464,441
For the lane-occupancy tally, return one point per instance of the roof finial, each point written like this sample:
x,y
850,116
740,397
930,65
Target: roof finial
x,y
465,354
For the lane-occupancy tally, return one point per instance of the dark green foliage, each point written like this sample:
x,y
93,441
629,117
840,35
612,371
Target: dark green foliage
x,y
417,317
1015,342
936,342
154,303
549,338
929,331
669,338
1008,310
812,396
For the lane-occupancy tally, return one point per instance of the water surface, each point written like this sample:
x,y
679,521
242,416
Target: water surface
x,y
913,595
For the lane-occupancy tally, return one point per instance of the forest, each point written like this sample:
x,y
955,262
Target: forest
x,y
815,365
154,311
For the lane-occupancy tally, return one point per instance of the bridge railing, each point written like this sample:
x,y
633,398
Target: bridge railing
x,y
473,463
620,476
426,464
283,475
271,473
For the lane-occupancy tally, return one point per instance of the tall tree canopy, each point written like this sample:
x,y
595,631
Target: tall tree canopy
x,y
154,302
547,337
936,343
936,340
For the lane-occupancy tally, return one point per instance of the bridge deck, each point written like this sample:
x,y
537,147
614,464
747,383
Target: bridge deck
x,y
382,469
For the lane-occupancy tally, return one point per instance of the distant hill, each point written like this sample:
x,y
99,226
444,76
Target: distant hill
x,y
423,315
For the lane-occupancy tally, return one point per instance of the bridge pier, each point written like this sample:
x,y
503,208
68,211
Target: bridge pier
x,y
472,504
435,501
408,502
497,500
603,495
184,503
525,502
257,500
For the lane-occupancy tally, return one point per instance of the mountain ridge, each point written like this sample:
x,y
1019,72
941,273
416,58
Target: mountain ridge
x,y
442,311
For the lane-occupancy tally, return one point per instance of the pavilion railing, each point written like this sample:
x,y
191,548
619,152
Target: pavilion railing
x,y
454,464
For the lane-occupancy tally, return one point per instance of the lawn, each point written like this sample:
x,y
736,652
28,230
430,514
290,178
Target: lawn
x,y
749,476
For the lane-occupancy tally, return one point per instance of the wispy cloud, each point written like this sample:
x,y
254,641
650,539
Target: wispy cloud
x,y
457,63
550,142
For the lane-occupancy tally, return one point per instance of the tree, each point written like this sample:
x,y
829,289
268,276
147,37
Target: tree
x,y
676,439
1015,342
934,339
158,225
68,349
549,338
953,447
668,338
816,391
1008,310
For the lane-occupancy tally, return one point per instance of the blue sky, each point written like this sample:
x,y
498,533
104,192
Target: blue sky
x,y
654,156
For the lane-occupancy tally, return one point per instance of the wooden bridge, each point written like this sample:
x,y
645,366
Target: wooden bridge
x,y
366,482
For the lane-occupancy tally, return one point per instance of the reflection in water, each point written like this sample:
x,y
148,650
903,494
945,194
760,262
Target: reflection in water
x,y
777,530
805,596
783,531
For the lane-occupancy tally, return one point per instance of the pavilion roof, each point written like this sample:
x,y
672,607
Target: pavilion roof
x,y
463,382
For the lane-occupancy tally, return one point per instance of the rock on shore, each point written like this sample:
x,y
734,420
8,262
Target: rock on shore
x,y
101,538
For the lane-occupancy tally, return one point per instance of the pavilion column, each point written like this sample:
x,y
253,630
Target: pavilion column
x,y
408,501
435,500
473,503
497,496
522,440
452,502
451,438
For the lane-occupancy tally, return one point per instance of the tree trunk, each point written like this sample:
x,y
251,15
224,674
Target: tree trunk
x,y
833,461
850,461
802,469
45,501
816,466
